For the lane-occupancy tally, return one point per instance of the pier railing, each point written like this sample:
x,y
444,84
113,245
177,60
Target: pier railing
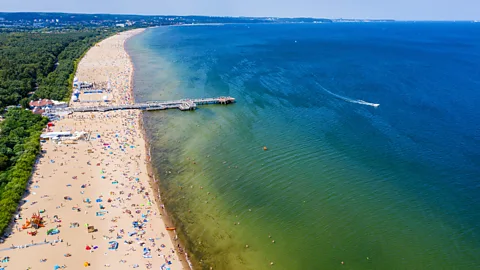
x,y
181,104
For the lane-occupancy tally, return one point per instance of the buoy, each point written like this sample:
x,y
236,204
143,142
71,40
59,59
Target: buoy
x,y
246,246
271,263
265,148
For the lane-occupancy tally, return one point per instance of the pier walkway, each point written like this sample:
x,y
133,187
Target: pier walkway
x,y
181,104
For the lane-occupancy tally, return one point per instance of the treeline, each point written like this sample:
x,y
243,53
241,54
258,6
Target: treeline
x,y
41,64
19,146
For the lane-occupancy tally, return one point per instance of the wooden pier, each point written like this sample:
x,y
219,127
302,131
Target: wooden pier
x,y
182,104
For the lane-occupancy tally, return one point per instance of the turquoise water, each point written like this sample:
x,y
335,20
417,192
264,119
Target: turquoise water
x,y
390,187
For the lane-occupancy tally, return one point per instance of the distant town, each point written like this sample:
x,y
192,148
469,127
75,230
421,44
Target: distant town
x,y
32,20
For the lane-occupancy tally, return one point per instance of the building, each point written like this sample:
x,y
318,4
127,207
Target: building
x,y
42,106
59,104
41,103
38,110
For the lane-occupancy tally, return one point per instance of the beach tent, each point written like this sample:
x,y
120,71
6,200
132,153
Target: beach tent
x,y
146,253
112,245
53,231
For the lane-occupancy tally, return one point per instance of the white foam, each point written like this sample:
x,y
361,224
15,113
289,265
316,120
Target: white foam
x,y
358,101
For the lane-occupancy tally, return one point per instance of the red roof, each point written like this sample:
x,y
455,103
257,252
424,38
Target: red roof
x,y
41,103
37,110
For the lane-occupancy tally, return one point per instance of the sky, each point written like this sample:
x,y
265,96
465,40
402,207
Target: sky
x,y
365,9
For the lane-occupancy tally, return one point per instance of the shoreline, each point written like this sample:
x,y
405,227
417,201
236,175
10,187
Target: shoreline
x,y
185,259
81,175
155,188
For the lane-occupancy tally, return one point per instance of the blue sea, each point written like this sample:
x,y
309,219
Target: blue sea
x,y
373,137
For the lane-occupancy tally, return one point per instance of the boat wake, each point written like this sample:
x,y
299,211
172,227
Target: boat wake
x,y
357,101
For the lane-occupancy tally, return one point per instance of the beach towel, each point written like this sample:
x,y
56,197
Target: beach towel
x,y
99,214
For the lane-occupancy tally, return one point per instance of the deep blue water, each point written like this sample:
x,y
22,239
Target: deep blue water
x,y
390,187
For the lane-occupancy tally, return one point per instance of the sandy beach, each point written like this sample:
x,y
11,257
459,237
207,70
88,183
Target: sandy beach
x,y
101,182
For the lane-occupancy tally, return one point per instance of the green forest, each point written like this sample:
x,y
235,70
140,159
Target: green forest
x,y
32,66
19,146
41,65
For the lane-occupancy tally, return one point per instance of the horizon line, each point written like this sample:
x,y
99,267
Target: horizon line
x,y
253,17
